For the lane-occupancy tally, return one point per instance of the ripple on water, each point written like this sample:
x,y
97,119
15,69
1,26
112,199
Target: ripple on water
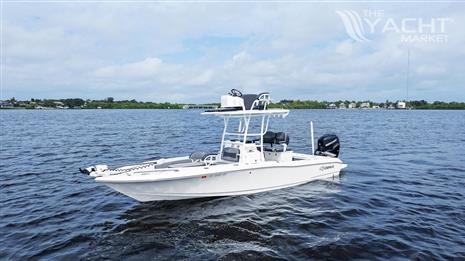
x,y
402,196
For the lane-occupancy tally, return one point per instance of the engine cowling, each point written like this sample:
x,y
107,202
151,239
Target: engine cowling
x,y
328,145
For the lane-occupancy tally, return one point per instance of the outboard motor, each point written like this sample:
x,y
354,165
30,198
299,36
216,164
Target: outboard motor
x,y
328,145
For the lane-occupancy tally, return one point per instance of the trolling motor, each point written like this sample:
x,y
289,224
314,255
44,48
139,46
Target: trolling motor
x,y
94,171
328,145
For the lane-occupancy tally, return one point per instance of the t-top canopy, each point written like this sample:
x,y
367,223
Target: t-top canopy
x,y
236,104
254,113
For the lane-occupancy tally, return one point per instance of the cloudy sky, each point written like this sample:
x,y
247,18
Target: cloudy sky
x,y
194,52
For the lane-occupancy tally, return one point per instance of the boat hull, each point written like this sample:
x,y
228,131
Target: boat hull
x,y
217,183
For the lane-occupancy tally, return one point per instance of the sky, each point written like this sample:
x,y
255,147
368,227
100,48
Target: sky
x,y
193,52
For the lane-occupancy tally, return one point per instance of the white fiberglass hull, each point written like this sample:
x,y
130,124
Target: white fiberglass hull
x,y
223,180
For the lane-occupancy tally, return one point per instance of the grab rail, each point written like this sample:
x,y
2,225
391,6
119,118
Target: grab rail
x,y
264,99
210,159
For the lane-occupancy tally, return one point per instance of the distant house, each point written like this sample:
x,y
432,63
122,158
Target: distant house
x,y
6,104
332,106
342,106
375,107
352,105
365,105
401,105
286,101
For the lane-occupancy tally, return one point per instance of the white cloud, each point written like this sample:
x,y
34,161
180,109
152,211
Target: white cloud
x,y
145,51
142,69
429,69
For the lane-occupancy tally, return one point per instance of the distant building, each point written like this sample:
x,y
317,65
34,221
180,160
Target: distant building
x,y
286,101
375,107
391,107
332,106
342,106
365,105
352,105
6,104
401,105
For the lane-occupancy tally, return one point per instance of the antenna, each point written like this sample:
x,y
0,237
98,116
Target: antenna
x,y
408,73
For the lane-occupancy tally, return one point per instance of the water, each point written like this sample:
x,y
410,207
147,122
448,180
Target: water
x,y
402,196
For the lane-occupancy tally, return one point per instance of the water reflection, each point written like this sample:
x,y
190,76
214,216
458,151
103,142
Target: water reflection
x,y
245,225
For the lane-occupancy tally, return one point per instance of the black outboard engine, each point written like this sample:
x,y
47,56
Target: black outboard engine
x,y
328,145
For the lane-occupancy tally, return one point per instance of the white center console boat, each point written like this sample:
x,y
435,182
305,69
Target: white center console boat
x,y
250,159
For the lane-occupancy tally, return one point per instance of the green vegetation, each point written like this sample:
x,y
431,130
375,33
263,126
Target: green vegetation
x,y
77,103
297,104
132,104
437,105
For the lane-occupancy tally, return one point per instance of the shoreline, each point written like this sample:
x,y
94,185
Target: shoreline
x,y
354,109
110,103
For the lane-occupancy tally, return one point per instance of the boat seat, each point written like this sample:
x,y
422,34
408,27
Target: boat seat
x,y
200,156
249,99
231,154
282,138
278,138
269,137
275,138
273,149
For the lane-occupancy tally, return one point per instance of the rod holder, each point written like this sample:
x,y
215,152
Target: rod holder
x,y
313,140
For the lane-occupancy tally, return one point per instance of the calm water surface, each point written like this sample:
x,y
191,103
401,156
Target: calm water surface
x,y
402,196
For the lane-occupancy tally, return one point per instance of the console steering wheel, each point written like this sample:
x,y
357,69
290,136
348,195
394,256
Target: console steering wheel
x,y
235,93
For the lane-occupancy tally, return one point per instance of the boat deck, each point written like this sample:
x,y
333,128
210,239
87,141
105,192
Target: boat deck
x,y
186,163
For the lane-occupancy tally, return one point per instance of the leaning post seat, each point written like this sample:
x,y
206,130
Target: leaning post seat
x,y
269,137
235,100
249,100
231,154
282,138
279,138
